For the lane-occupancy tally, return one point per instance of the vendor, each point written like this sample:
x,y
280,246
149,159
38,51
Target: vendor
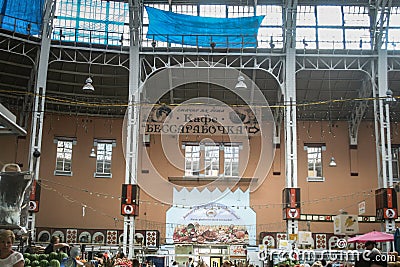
x,y
55,245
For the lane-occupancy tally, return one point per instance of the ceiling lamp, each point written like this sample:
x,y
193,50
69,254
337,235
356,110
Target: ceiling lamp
x,y
88,85
389,96
92,153
240,84
332,163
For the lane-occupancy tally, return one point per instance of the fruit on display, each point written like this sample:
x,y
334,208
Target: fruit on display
x,y
35,263
44,260
54,263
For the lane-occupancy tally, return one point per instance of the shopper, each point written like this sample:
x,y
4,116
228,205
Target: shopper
x,y
373,255
55,245
9,257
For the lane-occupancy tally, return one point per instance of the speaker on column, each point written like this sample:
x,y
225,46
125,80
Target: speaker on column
x,y
291,203
386,203
130,200
34,197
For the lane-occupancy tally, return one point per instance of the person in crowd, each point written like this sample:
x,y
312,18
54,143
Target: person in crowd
x,y
135,262
373,255
72,259
190,263
9,257
55,245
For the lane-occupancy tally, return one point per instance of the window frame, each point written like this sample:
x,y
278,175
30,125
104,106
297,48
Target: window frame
x,y
73,142
209,160
193,160
231,159
202,160
96,144
395,149
322,148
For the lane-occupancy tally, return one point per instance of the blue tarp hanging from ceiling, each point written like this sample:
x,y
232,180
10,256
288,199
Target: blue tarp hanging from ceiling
x,y
22,16
182,29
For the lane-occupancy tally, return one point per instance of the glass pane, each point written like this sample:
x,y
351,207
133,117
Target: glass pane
x,y
305,38
306,16
330,38
357,38
395,162
218,11
99,168
192,160
355,16
329,15
59,166
67,166
314,161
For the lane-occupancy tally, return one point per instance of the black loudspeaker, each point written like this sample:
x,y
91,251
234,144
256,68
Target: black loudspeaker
x,y
291,203
34,197
386,203
130,200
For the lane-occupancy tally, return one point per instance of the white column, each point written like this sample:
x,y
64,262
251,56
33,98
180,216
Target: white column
x,y
382,125
290,130
132,123
39,102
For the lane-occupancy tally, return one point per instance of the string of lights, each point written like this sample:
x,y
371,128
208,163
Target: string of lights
x,y
163,226
282,105
363,194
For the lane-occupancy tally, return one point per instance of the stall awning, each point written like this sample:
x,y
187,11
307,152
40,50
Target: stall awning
x,y
8,125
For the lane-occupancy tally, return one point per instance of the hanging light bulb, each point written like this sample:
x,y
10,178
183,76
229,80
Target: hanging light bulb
x,y
93,153
240,84
332,163
88,85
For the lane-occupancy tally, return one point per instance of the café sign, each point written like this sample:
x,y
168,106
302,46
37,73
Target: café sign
x,y
200,119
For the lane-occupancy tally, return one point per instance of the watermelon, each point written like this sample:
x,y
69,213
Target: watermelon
x,y
34,257
27,261
44,263
53,255
27,255
43,257
35,263
54,263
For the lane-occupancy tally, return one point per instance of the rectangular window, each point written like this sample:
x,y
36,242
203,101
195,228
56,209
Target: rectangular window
x,y
192,160
211,160
314,161
64,157
231,160
395,163
103,158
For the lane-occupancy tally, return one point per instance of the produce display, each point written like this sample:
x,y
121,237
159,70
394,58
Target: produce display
x,y
44,260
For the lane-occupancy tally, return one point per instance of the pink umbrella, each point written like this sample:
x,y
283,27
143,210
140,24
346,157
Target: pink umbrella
x,y
372,236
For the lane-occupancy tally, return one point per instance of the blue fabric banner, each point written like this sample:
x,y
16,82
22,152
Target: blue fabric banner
x,y
22,16
182,29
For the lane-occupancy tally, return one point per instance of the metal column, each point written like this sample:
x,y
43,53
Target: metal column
x,y
132,123
39,103
291,131
382,131
290,106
